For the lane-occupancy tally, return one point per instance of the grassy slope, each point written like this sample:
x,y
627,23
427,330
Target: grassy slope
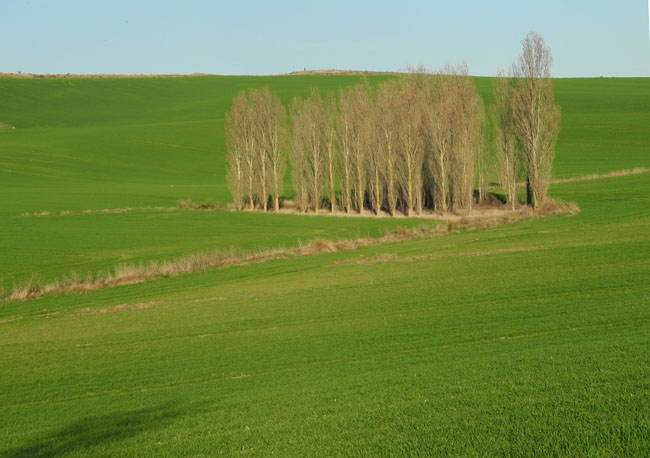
x,y
54,246
94,144
529,339
538,346
145,142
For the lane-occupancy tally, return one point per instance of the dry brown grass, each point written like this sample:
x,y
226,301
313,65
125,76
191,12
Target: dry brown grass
x,y
394,258
118,308
185,204
553,207
126,274
188,204
596,176
618,173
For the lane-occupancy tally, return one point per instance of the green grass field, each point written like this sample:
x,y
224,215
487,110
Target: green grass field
x,y
529,339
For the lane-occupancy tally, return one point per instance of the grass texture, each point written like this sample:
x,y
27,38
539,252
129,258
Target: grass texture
x,y
528,339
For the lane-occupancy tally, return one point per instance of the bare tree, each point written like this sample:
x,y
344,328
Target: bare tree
x,y
345,137
300,176
386,105
330,138
259,100
438,125
235,149
537,117
309,129
408,122
360,140
249,146
484,163
271,126
376,157
417,140
502,117
465,139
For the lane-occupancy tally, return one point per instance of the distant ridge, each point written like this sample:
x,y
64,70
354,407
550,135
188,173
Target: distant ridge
x,y
99,75
341,72
178,75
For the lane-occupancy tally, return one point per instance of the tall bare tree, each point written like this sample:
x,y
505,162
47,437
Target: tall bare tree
x,y
438,124
235,149
249,149
466,139
502,118
484,162
259,100
408,122
345,123
537,117
299,166
271,127
386,106
330,138
375,157
360,140
309,130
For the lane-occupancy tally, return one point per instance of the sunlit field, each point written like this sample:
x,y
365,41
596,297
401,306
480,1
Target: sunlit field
x,y
527,339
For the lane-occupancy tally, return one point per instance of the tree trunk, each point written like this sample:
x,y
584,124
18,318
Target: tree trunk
x,y
359,191
409,203
332,196
377,192
443,186
316,196
348,191
276,192
391,192
250,192
264,196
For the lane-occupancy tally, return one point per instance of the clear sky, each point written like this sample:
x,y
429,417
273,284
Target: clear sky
x,y
587,37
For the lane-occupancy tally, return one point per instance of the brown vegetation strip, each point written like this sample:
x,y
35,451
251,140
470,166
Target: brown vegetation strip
x,y
126,274
618,173
393,258
118,308
596,176
185,204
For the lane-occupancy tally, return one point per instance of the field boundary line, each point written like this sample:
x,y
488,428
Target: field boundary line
x,y
601,176
127,274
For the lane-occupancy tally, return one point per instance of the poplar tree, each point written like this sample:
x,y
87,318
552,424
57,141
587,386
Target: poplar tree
x,y
386,106
536,116
507,152
235,150
410,143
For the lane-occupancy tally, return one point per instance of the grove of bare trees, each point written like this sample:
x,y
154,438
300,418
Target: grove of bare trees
x,y
256,143
527,120
419,141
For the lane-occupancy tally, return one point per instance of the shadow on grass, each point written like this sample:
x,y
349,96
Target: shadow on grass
x,y
82,435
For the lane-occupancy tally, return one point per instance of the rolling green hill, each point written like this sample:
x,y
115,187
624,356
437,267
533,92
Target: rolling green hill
x,y
529,339
82,144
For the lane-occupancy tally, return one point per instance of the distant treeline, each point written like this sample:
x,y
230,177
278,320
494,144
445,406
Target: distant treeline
x,y
419,141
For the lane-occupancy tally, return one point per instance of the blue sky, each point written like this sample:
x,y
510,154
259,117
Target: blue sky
x,y
587,37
